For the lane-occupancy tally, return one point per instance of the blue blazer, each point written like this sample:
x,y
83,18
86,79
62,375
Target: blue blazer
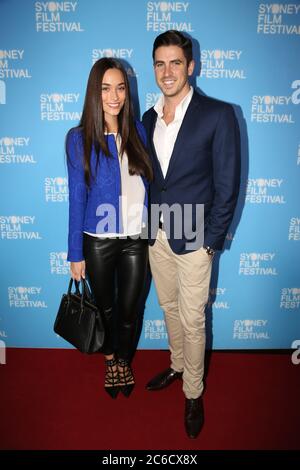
x,y
105,188
204,169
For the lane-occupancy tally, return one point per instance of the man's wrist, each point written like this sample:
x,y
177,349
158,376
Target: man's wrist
x,y
210,251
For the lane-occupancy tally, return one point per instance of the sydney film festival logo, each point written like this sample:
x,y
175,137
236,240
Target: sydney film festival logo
x,y
18,227
117,53
265,191
278,18
10,68
257,264
56,189
161,16
250,330
217,298
290,298
10,64
219,63
57,17
59,107
58,263
277,109
122,53
294,229
26,297
155,329
15,150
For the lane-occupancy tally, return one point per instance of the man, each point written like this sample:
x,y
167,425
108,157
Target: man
x,y
194,145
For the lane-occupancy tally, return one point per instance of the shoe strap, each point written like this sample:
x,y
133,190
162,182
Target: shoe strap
x,y
126,374
110,362
111,375
123,363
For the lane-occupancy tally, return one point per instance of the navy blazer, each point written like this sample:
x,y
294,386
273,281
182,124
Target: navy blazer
x,y
204,169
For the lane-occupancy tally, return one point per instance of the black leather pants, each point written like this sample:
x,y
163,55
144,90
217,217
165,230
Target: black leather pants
x,y
117,263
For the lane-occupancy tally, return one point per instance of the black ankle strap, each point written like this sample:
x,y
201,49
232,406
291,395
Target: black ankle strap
x,y
110,362
123,362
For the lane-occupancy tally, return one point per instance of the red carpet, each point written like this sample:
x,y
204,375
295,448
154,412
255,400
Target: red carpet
x,y
53,399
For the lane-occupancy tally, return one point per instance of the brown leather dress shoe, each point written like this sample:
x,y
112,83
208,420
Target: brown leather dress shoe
x,y
163,379
193,416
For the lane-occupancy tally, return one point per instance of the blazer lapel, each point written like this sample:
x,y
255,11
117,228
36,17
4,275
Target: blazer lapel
x,y
153,151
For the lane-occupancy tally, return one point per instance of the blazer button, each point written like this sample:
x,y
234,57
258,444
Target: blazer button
x,y
163,190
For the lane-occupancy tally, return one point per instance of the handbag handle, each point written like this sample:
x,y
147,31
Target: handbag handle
x,y
77,291
85,290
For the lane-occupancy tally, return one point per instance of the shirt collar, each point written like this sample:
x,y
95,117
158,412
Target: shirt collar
x,y
180,108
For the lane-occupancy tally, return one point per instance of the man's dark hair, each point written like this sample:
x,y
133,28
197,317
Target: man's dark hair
x,y
174,38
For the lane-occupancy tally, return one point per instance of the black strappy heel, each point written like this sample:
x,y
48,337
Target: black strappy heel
x,y
126,379
112,383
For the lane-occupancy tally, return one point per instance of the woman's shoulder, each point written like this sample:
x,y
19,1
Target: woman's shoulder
x,y
74,132
74,138
74,145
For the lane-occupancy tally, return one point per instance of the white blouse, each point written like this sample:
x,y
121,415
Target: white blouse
x,y
131,200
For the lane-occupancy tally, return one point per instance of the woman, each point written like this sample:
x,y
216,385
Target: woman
x,y
109,170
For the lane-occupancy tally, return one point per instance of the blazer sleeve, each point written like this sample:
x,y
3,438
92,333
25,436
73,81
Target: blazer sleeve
x,y
77,194
146,122
143,137
226,177
141,132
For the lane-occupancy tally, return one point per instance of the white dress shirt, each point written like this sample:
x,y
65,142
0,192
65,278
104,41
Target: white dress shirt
x,y
165,134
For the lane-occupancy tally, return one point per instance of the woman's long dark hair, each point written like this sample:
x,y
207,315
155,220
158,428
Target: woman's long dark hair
x,y
93,124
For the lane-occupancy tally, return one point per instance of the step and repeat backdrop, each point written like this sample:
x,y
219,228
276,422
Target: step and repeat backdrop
x,y
247,53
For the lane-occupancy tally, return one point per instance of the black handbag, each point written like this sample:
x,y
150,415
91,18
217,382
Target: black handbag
x,y
78,320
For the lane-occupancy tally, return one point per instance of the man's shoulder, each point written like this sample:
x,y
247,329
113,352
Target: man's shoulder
x,y
148,115
210,102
